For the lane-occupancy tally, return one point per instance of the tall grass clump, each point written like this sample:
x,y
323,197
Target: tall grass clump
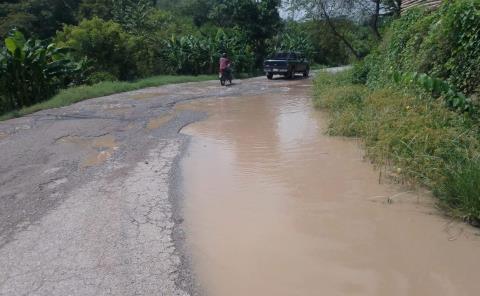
x,y
420,139
460,189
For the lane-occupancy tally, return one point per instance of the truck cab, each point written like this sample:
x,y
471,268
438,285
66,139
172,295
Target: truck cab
x,y
286,64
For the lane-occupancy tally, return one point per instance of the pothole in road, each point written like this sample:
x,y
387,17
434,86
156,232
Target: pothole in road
x,y
22,127
99,149
157,122
3,135
202,105
147,95
55,183
52,170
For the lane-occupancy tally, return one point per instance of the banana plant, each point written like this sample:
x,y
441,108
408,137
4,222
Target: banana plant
x,y
194,54
31,71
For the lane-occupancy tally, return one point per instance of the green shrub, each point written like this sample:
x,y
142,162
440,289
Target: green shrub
x,y
359,72
32,71
459,190
443,44
105,44
436,88
457,56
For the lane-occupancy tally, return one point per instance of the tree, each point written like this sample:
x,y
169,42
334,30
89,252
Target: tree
x,y
99,8
104,43
319,43
375,18
260,20
41,18
16,19
334,11
294,37
132,14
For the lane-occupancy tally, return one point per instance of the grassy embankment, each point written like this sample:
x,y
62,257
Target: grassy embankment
x,y
421,141
75,94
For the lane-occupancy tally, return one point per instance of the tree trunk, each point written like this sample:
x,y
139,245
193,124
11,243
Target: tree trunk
x,y
399,7
375,19
336,33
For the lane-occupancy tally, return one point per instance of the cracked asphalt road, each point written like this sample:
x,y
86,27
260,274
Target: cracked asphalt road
x,y
89,193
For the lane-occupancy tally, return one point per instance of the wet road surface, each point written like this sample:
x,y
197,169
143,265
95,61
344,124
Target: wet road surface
x,y
88,199
273,206
108,197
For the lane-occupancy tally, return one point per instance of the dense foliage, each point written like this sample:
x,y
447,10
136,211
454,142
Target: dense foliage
x,y
200,54
39,18
32,71
443,44
105,43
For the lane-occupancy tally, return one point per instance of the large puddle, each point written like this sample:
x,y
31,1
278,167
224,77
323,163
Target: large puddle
x,y
275,207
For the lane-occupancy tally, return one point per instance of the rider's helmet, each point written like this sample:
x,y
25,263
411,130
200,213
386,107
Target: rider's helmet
x,y
224,55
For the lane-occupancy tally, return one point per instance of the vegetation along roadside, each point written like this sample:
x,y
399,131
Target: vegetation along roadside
x,y
414,102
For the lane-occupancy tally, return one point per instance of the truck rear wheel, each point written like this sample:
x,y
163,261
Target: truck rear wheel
x,y
290,74
269,75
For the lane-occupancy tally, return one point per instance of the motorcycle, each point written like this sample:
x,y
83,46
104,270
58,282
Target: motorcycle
x,y
226,75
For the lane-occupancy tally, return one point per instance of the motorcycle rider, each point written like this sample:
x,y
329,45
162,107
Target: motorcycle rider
x,y
224,64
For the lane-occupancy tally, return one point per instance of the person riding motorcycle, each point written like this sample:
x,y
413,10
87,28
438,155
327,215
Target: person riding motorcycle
x,y
224,63
225,70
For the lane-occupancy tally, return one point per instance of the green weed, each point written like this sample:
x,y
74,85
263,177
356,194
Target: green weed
x,y
459,190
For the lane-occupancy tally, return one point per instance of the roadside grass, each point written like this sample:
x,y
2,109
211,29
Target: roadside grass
x,y
417,138
76,94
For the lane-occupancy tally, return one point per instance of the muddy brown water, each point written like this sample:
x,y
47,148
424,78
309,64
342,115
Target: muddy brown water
x,y
274,206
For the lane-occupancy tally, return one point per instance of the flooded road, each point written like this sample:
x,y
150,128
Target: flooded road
x,y
273,206
234,189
